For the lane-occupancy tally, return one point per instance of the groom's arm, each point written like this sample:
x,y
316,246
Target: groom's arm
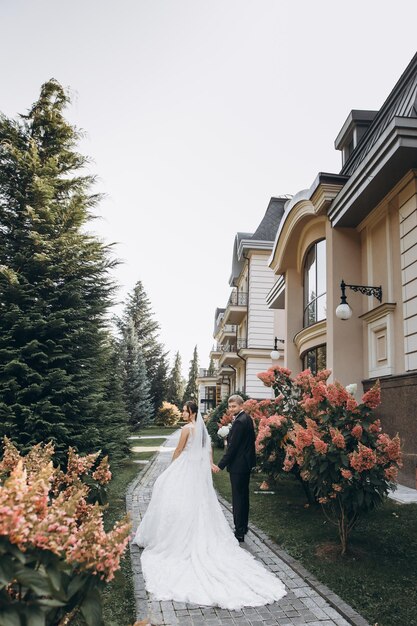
x,y
233,446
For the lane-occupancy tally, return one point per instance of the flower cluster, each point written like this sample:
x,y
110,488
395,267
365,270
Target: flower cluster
x,y
102,474
224,430
334,443
44,508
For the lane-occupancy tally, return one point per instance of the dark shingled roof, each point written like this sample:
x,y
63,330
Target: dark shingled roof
x,y
266,231
268,227
402,102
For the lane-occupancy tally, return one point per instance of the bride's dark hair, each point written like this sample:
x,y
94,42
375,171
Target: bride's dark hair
x,y
192,407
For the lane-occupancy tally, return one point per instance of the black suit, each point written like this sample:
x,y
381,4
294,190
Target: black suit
x,y
239,459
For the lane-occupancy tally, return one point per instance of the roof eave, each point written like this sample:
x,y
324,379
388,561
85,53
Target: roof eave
x,y
394,154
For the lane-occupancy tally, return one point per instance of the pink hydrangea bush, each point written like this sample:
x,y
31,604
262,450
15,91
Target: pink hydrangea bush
x,y
271,432
272,444
340,450
54,550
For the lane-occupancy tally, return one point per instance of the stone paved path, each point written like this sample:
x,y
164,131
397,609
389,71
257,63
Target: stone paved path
x,y
307,601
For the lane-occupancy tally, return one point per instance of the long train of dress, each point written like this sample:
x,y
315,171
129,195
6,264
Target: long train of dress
x,y
191,554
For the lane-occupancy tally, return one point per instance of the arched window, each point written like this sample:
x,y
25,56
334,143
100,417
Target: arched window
x,y
315,284
315,359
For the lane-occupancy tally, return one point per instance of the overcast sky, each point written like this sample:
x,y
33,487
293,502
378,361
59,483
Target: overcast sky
x,y
196,112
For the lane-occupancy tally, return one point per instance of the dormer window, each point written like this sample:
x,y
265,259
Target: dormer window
x,y
352,132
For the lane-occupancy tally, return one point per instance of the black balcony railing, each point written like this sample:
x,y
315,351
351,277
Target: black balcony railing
x,y
234,347
238,298
207,373
225,328
229,347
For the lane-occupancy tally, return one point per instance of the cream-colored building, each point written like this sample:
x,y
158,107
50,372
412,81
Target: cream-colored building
x,y
359,225
245,329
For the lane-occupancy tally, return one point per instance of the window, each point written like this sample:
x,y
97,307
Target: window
x,y
315,359
315,284
209,402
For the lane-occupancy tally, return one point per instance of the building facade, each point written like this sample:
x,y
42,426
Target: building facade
x,y
360,226
244,330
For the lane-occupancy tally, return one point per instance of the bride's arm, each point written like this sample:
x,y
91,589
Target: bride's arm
x,y
181,444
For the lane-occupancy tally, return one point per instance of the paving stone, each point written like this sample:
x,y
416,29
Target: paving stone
x,y
307,602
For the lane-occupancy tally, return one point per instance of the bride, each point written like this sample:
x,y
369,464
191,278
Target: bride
x,y
191,554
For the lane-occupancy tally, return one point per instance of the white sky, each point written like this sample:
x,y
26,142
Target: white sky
x,y
196,113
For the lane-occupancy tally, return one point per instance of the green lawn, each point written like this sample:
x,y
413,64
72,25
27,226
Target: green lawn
x,y
142,456
118,599
156,430
379,576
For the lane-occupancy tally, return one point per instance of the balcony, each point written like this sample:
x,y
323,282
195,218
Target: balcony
x,y
237,308
230,352
222,330
206,373
207,377
216,351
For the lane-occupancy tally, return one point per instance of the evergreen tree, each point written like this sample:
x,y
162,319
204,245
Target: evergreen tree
x,y
211,368
115,417
136,384
160,383
54,285
176,383
191,391
138,310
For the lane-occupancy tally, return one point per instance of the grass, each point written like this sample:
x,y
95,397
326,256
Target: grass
x,y
142,456
379,575
157,430
118,598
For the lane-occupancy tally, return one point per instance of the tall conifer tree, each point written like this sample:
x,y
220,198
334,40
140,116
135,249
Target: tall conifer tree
x,y
136,384
191,391
138,310
54,285
175,383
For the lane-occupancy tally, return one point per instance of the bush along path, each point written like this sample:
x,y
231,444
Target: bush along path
x,y
307,601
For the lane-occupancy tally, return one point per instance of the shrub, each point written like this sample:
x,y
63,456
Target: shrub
x,y
213,422
271,434
168,415
54,552
337,446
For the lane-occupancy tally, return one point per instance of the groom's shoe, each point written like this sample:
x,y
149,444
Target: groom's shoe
x,y
240,538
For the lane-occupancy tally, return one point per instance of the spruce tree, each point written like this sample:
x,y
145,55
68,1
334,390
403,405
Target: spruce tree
x,y
114,428
136,384
160,383
191,391
54,285
211,368
138,309
176,383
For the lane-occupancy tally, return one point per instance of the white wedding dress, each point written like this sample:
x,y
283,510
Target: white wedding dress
x,y
191,554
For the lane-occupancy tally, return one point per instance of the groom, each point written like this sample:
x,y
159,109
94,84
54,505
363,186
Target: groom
x,y
239,459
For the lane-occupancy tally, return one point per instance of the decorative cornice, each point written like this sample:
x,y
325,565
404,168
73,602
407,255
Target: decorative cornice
x,y
323,196
378,312
253,244
315,333
255,352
